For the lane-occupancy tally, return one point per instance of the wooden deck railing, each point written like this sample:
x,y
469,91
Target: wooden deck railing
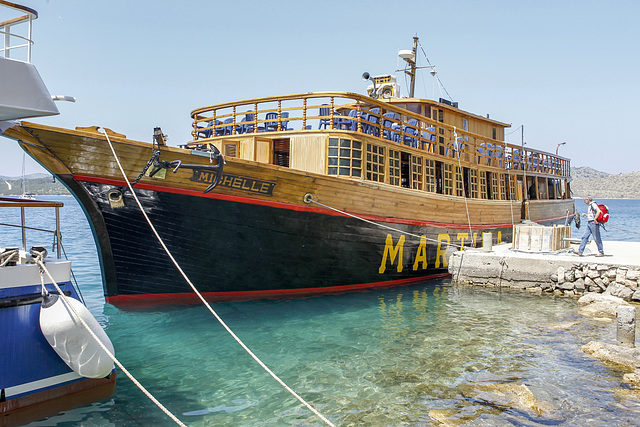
x,y
349,112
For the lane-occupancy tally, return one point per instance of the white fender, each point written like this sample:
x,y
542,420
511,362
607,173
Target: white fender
x,y
71,340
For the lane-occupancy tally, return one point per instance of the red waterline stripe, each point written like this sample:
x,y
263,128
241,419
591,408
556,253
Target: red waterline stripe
x,y
280,205
168,298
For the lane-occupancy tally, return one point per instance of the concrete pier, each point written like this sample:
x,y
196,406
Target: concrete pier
x,y
562,272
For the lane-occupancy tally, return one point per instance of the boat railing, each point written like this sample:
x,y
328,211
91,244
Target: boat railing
x,y
25,203
16,31
349,112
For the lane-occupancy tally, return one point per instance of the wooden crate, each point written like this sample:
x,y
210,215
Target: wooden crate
x,y
534,237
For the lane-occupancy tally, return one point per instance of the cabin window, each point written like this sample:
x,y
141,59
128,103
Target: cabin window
x,y
504,185
473,181
466,181
394,167
375,163
483,185
494,133
559,193
417,172
281,152
512,192
542,188
465,125
345,157
448,179
459,183
438,176
405,170
231,149
552,188
430,175
441,116
532,191
414,108
495,187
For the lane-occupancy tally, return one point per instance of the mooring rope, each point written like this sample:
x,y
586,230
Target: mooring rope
x,y
309,199
621,229
38,260
206,304
464,192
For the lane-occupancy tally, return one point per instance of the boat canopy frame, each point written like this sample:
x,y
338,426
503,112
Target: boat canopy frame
x,y
27,203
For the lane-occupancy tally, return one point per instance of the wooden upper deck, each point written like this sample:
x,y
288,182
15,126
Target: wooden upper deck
x,y
435,129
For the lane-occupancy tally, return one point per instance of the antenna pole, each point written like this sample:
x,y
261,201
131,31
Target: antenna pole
x,y
412,64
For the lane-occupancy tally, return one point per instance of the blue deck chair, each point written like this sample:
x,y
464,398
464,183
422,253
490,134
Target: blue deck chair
x,y
389,125
227,130
284,123
246,124
325,120
411,130
206,133
272,124
370,122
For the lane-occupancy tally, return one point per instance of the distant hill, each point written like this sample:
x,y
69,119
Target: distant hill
x,y
585,182
39,184
590,182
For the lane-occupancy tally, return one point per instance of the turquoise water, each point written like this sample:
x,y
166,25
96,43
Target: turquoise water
x,y
417,355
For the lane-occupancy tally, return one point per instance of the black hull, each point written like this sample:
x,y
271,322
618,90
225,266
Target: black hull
x,y
243,248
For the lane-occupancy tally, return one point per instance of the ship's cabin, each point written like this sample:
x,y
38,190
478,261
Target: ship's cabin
x,y
419,144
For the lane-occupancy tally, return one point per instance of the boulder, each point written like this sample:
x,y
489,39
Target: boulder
x,y
600,305
619,290
633,379
623,356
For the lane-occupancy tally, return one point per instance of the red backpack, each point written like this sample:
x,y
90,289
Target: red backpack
x,y
604,214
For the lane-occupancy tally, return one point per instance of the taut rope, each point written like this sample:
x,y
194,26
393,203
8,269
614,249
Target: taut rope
x,y
38,260
206,304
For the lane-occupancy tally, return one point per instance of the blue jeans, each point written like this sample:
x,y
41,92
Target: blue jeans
x,y
592,228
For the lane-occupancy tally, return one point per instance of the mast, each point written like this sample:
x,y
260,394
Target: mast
x,y
412,65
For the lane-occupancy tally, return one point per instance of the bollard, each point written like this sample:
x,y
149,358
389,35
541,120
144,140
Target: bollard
x,y
626,332
487,242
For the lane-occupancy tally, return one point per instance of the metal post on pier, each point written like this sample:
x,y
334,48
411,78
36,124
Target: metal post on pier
x,y
24,229
626,331
58,235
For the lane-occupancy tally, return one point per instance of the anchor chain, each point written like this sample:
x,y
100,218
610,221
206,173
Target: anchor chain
x,y
177,164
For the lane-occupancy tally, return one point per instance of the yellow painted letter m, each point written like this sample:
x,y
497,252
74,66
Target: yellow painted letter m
x,y
393,253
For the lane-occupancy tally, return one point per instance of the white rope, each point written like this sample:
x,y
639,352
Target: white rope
x,y
464,193
310,199
510,195
195,290
39,261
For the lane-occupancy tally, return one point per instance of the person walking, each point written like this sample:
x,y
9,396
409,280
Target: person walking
x,y
593,227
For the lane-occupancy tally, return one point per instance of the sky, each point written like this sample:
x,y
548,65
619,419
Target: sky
x,y
565,70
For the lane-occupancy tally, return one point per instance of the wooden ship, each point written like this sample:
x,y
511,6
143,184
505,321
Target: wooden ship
x,y
299,194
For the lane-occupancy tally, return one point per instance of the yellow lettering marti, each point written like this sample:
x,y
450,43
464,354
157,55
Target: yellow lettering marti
x,y
393,253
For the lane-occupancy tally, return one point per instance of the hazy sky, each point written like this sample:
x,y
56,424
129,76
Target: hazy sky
x,y
566,70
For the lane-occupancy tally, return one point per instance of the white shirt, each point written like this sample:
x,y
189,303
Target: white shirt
x,y
591,211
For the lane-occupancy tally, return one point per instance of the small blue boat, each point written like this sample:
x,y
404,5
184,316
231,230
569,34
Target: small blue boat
x,y
35,381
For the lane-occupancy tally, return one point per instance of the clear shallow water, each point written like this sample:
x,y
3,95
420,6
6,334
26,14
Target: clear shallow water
x,y
415,355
